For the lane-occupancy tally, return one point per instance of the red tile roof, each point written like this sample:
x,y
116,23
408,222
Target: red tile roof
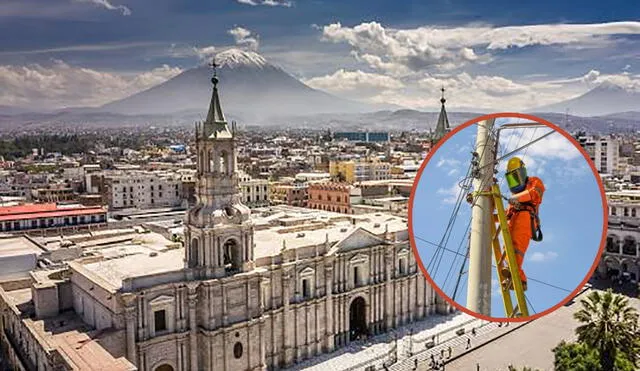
x,y
48,210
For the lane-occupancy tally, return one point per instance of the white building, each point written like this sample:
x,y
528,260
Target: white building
x,y
604,152
621,257
255,192
142,189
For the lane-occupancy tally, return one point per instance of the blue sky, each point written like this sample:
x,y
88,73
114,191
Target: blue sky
x,y
88,52
571,214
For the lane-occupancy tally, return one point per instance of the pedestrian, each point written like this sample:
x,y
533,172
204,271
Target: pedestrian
x,y
441,353
477,367
449,356
433,359
468,343
473,331
415,364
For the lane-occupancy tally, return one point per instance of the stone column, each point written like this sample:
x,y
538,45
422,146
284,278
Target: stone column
x,y
193,329
288,349
129,301
329,324
388,294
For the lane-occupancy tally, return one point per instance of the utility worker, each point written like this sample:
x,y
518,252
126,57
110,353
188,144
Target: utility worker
x,y
522,213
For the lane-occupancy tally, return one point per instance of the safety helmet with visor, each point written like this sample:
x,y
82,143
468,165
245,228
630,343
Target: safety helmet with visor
x,y
516,175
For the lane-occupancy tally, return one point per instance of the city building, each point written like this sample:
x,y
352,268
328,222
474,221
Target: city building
x,y
336,197
247,291
289,193
141,189
50,216
255,192
362,136
603,151
359,171
620,259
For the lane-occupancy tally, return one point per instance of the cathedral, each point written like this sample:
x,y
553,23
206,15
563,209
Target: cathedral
x,y
249,291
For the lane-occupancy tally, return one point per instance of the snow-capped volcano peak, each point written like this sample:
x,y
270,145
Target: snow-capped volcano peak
x,y
237,57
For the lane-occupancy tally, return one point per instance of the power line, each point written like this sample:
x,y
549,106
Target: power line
x,y
464,184
493,266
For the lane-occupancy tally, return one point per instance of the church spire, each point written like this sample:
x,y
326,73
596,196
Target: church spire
x,y
442,127
215,114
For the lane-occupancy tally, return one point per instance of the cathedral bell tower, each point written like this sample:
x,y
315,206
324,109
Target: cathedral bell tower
x,y
218,230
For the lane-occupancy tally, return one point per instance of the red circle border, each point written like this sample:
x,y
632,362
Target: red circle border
x,y
605,219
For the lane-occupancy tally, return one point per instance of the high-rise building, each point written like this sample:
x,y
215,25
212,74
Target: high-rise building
x,y
603,151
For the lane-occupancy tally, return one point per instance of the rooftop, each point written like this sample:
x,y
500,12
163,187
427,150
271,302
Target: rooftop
x,y
151,253
17,246
45,210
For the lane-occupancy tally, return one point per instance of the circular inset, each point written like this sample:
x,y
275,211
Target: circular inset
x,y
507,217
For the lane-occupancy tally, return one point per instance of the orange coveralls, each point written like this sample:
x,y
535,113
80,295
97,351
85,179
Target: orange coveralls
x,y
520,220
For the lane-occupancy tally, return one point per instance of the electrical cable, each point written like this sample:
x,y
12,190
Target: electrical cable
x,y
493,266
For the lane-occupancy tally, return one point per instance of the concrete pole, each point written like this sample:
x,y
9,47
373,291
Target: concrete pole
x,y
479,281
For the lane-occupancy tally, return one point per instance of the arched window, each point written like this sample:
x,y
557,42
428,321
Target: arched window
x,y
221,164
232,256
212,161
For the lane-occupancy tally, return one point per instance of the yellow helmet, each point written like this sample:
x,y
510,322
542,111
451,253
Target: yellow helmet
x,y
514,163
516,175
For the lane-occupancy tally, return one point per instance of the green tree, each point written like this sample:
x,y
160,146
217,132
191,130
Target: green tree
x,y
576,357
512,368
609,325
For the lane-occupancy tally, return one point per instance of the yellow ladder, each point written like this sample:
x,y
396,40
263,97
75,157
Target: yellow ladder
x,y
500,219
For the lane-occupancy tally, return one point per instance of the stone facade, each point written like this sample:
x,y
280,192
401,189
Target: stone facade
x,y
621,256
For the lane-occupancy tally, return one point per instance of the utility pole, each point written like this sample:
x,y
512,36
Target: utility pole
x,y
479,281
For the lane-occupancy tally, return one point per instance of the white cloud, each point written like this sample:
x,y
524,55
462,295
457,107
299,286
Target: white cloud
x,y
362,82
494,93
453,172
425,47
449,162
555,146
450,195
244,37
107,5
205,52
286,4
63,85
540,257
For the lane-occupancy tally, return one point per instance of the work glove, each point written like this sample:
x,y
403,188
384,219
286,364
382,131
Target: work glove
x,y
514,201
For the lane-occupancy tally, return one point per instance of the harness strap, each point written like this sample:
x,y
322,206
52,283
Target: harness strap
x,y
536,231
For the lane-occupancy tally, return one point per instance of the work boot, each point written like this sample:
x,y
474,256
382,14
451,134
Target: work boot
x,y
506,273
508,284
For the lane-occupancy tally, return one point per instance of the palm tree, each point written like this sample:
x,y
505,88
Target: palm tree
x,y
610,325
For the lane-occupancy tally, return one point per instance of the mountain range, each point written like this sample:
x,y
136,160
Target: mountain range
x,y
255,91
605,99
